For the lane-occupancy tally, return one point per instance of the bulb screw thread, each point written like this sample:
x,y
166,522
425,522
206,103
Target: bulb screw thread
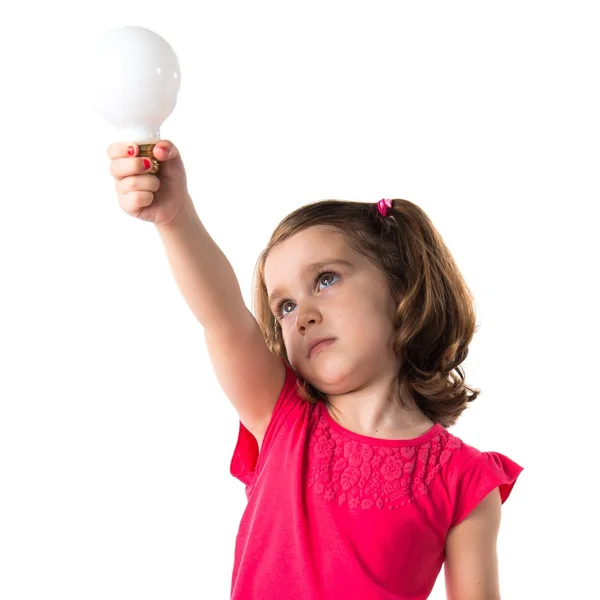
x,y
146,151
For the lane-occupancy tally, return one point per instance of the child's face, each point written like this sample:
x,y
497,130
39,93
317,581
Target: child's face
x,y
350,303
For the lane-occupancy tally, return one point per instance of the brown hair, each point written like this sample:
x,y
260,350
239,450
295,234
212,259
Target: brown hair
x,y
435,315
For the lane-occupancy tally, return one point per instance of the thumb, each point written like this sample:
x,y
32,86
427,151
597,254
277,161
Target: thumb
x,y
171,165
165,150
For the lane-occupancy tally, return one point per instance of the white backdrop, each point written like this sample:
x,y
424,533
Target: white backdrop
x,y
115,439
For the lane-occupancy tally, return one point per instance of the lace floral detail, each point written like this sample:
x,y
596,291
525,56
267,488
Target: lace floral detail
x,y
366,476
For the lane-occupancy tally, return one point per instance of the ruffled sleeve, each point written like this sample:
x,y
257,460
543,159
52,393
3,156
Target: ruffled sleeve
x,y
480,475
245,462
245,456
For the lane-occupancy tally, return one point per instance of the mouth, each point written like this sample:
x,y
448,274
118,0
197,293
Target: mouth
x,y
319,345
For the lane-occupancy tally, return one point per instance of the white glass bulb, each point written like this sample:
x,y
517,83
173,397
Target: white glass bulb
x,y
135,80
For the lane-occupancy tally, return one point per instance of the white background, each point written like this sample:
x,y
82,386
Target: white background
x,y
115,439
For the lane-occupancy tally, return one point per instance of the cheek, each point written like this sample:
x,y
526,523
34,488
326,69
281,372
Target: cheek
x,y
287,340
293,353
370,325
369,317
363,306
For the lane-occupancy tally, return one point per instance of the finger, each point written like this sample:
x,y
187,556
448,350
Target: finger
x,y
133,202
137,183
122,149
165,150
124,167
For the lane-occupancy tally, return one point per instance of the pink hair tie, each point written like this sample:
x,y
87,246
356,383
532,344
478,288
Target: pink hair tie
x,y
384,205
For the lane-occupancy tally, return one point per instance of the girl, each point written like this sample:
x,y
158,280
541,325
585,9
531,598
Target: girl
x,y
345,383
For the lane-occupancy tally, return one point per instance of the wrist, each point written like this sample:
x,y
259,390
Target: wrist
x,y
184,217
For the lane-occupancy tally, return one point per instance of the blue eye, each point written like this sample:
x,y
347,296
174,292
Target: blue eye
x,y
325,276
280,311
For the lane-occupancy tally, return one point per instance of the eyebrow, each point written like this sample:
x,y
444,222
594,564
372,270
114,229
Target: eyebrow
x,y
312,268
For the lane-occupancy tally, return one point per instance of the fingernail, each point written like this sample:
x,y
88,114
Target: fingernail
x,y
147,164
131,150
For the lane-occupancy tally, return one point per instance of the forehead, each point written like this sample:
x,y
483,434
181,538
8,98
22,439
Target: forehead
x,y
288,259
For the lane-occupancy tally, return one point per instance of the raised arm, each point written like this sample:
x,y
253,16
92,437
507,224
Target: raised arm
x,y
250,375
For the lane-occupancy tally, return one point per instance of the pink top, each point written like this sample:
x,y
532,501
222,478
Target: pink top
x,y
334,514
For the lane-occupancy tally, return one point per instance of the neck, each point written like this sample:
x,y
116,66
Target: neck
x,y
372,412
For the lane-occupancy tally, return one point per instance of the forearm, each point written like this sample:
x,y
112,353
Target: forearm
x,y
203,274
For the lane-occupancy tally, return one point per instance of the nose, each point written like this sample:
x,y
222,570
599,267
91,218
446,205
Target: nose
x,y
307,315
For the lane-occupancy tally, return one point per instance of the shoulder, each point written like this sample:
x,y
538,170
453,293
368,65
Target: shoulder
x,y
454,453
472,474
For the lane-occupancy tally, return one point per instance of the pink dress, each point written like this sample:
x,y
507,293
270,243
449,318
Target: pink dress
x,y
333,514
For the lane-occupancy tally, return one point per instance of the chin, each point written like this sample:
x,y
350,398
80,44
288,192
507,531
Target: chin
x,y
331,376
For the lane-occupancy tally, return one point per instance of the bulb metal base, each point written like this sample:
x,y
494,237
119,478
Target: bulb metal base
x,y
146,152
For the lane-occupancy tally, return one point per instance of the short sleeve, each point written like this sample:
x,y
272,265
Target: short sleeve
x,y
480,475
245,460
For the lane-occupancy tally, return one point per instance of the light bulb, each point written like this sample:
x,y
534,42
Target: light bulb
x,y
135,79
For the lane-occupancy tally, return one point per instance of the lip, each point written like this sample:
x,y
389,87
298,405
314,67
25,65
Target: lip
x,y
313,345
